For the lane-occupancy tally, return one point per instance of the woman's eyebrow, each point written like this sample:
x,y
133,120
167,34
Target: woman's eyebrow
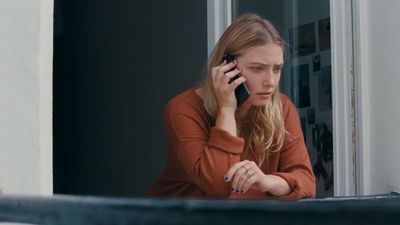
x,y
259,63
265,64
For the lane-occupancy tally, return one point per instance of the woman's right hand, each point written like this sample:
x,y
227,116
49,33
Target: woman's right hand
x,y
223,90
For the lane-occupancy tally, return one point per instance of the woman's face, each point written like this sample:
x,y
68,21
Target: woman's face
x,y
261,66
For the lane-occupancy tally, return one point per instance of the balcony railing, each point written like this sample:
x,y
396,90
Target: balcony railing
x,y
77,210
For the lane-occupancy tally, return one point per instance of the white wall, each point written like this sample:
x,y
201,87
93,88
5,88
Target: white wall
x,y
382,53
26,96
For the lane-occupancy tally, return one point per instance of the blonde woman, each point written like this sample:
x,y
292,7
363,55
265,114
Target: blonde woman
x,y
219,150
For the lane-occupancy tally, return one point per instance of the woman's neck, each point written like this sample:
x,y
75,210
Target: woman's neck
x,y
241,112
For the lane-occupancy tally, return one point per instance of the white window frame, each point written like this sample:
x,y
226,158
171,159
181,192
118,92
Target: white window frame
x,y
342,101
219,16
350,86
348,49
361,93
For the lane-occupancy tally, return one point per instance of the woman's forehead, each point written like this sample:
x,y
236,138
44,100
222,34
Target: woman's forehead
x,y
265,54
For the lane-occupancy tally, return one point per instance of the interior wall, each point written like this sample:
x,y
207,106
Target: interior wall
x,y
116,66
25,96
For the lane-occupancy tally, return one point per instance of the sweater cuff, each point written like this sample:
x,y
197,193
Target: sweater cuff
x,y
224,141
295,194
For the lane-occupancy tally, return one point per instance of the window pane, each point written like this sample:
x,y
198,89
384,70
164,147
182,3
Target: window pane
x,y
306,79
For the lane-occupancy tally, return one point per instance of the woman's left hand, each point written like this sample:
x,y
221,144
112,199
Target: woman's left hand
x,y
245,175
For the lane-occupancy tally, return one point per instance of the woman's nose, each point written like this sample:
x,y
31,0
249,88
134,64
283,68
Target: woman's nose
x,y
269,80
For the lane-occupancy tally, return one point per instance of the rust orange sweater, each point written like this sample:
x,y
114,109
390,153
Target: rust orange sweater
x,y
199,155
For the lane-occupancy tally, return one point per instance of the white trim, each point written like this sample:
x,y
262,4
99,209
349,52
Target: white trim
x,y
361,73
219,16
342,101
46,96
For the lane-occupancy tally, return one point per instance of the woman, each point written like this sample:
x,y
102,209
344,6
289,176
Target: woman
x,y
220,150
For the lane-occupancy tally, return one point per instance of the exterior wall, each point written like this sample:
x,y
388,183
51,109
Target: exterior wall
x,y
383,52
25,96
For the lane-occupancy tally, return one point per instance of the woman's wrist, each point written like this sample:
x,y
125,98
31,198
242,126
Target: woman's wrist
x,y
227,110
276,185
226,120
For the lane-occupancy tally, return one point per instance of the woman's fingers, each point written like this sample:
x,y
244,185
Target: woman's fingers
x,y
229,75
223,84
223,71
236,83
249,182
233,169
225,67
239,179
243,175
226,84
246,171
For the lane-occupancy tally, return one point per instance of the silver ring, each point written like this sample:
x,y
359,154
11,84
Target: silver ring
x,y
249,174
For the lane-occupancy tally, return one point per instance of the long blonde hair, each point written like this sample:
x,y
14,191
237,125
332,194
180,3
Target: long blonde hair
x,y
266,132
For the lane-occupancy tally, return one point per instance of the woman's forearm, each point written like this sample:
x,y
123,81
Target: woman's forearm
x,y
276,185
226,120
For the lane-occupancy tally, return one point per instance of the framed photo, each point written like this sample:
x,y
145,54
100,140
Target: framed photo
x,y
325,89
311,115
302,40
324,33
300,81
316,63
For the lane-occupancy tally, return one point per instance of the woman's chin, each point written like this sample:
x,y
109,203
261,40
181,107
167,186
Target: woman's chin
x,y
259,103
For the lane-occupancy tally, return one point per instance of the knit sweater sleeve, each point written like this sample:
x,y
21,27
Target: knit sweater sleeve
x,y
204,154
294,164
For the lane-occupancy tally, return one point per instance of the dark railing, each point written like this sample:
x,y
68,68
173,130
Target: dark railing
x,y
76,210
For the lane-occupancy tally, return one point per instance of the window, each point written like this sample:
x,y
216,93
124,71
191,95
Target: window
x,y
306,80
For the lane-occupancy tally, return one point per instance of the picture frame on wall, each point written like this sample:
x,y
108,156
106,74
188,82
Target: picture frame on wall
x,y
316,63
300,85
302,40
324,34
311,115
325,89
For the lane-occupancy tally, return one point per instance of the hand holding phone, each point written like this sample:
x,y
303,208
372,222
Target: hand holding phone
x,y
241,92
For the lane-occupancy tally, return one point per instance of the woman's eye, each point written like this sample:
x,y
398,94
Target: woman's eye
x,y
256,69
277,69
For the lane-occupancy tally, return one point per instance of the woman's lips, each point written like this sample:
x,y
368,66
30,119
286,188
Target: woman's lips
x,y
264,94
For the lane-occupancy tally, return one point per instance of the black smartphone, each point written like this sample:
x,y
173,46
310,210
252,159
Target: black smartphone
x,y
241,92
